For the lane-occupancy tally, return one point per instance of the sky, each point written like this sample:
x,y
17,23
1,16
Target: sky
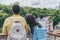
x,y
34,3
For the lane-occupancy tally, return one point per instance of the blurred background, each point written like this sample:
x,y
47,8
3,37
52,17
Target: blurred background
x,y
50,9
46,8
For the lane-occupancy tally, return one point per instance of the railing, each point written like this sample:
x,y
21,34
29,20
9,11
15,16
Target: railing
x,y
54,34
3,37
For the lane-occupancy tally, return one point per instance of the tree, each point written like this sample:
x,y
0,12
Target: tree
x,y
2,17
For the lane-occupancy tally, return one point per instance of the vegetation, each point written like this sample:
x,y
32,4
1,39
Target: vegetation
x,y
0,30
6,11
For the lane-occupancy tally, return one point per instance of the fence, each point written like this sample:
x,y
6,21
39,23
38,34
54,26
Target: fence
x,y
3,37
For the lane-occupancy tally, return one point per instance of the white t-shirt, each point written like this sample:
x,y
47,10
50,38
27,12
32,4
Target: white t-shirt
x,y
43,22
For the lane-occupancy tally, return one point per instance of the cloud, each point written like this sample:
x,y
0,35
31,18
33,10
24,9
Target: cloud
x,y
5,2
47,3
34,3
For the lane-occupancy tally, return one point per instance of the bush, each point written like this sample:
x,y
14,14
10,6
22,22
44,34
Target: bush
x,y
0,30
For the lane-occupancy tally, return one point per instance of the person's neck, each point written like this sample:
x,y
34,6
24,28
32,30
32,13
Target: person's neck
x,y
16,14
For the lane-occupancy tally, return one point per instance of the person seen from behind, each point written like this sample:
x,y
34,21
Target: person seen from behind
x,y
38,32
15,26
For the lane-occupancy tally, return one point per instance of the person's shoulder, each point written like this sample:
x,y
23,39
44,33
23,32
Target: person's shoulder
x,y
22,18
7,19
36,27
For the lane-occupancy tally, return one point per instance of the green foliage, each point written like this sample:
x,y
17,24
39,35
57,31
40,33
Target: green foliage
x,y
0,30
6,11
2,17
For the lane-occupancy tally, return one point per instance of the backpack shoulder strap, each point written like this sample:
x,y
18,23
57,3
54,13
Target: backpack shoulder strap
x,y
11,18
21,19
